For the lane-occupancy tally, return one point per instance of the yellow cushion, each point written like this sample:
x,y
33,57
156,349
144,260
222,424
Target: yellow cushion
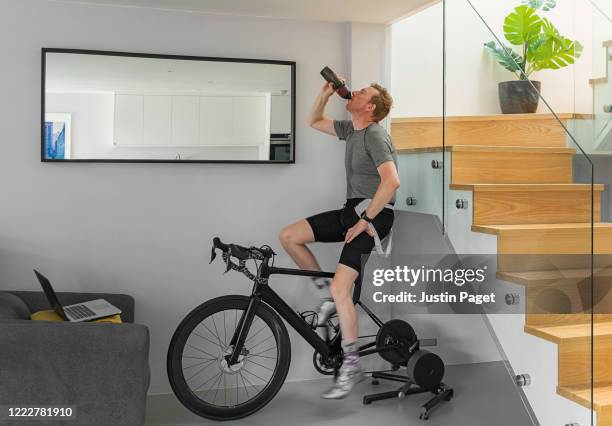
x,y
52,316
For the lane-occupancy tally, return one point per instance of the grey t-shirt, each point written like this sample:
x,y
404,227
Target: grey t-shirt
x,y
366,149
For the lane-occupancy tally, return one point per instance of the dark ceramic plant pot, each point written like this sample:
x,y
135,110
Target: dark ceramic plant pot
x,y
519,96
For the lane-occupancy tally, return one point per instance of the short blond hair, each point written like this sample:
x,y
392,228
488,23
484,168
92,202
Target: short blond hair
x,y
383,102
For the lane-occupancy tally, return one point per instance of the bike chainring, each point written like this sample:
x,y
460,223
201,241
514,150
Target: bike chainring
x,y
327,366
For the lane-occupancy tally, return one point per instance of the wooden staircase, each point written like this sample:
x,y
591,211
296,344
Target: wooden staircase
x,y
520,173
607,45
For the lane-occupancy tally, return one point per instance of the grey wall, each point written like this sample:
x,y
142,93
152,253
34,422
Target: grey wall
x,y
145,229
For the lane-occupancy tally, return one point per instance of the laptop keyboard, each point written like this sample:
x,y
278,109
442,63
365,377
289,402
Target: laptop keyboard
x,y
79,311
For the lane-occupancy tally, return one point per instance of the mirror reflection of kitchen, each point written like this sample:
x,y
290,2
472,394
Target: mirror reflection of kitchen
x,y
106,107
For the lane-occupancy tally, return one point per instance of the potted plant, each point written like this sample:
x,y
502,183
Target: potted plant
x,y
542,47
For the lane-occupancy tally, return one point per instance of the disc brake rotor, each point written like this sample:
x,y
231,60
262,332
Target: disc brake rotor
x,y
234,368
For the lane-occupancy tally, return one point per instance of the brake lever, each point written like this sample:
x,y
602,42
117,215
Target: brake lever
x,y
213,255
228,261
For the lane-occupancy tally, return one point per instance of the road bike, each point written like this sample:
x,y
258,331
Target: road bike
x,y
230,356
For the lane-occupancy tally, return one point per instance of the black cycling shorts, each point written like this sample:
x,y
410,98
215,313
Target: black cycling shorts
x,y
331,227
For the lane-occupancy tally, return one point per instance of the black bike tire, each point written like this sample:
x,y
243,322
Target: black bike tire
x,y
175,351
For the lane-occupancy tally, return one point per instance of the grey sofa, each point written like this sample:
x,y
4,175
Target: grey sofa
x,y
100,369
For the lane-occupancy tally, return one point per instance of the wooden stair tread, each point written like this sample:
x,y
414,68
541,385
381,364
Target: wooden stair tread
x,y
490,148
493,117
527,187
602,395
558,333
544,277
501,229
600,80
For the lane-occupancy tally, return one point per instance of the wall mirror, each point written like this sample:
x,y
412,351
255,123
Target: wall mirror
x,y
128,107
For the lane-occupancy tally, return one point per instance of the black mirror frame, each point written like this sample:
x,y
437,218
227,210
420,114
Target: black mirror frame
x,y
46,50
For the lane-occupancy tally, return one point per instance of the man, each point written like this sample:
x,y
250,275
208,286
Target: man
x,y
371,180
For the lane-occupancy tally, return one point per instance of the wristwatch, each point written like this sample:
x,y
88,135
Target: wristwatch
x,y
365,217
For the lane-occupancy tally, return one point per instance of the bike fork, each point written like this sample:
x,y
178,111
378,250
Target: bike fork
x,y
242,330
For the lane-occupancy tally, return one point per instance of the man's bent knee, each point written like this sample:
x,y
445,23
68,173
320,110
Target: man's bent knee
x,y
285,236
340,290
297,233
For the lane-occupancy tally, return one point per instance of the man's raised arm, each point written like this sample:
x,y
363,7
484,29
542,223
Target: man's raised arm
x,y
316,118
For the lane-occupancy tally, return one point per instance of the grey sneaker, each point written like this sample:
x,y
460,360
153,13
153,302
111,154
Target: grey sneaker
x,y
348,378
325,310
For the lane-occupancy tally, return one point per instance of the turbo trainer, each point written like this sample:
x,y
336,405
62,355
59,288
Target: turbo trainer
x,y
424,370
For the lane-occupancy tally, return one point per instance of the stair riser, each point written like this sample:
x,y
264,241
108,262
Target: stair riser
x,y
526,207
561,298
545,132
604,419
575,361
510,167
547,262
566,301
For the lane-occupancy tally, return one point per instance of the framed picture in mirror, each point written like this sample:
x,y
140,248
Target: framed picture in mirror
x,y
101,106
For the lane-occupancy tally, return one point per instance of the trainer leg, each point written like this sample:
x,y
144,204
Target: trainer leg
x,y
294,238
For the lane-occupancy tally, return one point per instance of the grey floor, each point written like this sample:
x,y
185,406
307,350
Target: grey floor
x,y
484,396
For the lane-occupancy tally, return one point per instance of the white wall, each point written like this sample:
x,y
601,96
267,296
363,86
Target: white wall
x,y
602,31
472,75
370,57
146,229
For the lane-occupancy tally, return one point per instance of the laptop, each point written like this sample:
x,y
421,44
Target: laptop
x,y
79,312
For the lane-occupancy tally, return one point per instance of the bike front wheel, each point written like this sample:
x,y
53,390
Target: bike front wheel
x,y
199,373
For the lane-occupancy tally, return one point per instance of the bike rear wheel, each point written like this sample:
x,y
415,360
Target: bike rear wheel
x,y
198,371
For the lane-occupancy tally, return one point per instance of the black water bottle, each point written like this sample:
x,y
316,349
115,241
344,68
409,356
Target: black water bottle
x,y
338,84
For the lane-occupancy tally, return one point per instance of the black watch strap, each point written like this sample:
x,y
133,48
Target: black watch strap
x,y
365,217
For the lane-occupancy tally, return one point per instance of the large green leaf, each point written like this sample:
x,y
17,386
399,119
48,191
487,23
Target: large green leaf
x,y
522,25
551,50
551,58
506,57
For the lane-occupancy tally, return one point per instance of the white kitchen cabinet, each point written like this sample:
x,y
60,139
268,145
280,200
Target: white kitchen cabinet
x,y
157,125
185,120
216,120
194,120
280,121
249,120
128,120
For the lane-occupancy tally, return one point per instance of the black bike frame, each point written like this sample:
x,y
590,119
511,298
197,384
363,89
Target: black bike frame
x,y
263,293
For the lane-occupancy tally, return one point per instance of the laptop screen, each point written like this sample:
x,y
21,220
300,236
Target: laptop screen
x,y
51,296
